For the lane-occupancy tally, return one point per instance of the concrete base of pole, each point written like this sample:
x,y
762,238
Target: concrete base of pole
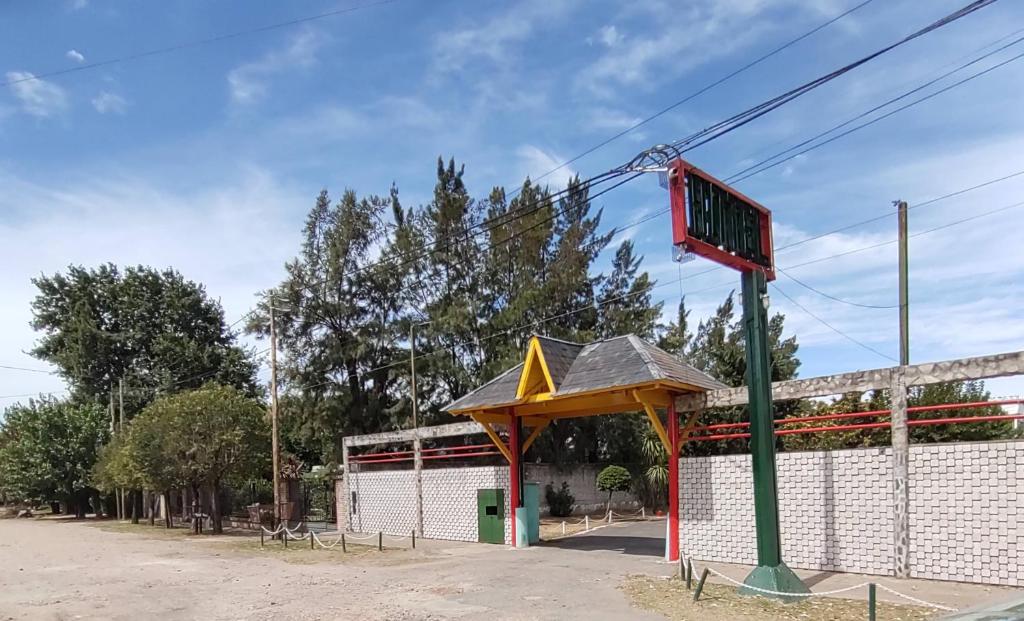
x,y
522,533
779,578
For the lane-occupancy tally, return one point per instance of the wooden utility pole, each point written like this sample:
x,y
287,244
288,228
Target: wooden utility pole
x,y
901,213
120,429
417,444
275,445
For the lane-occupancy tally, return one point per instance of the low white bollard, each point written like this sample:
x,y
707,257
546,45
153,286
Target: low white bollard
x,y
586,522
563,527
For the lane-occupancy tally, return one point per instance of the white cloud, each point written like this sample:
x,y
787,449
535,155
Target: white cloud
x,y
610,36
493,40
78,5
206,233
75,55
109,102
663,53
249,83
38,97
535,162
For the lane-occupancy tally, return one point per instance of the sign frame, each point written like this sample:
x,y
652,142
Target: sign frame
x,y
680,175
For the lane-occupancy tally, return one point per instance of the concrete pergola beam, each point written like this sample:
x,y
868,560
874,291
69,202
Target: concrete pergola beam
x,y
408,435
981,367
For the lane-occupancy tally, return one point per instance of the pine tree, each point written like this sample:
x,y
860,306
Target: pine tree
x,y
625,299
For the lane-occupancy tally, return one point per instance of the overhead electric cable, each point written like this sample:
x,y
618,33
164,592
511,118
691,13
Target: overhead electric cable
x,y
197,43
703,90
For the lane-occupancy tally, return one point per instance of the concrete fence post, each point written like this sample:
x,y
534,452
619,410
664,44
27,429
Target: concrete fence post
x,y
900,474
417,451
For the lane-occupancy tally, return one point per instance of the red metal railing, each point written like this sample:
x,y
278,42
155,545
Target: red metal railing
x,y
447,452
869,414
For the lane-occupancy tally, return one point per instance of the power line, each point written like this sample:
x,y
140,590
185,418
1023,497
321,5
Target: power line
x,y
703,90
831,297
736,121
13,368
831,327
197,43
741,176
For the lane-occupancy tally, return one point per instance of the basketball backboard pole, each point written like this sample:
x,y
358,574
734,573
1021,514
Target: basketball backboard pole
x,y
713,220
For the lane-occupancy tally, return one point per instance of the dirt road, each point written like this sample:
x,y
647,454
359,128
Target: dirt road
x,y
72,570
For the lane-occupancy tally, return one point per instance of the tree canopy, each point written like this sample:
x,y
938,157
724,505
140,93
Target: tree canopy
x,y
154,329
195,439
47,450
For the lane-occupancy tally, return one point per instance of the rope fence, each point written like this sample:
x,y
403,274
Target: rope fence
x,y
686,573
315,540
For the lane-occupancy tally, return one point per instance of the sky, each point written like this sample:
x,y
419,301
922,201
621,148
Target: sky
x,y
207,158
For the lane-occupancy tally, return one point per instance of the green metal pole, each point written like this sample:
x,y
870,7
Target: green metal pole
x,y
872,601
771,573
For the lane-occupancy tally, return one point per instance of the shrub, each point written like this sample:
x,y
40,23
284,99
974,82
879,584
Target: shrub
x,y
561,501
614,479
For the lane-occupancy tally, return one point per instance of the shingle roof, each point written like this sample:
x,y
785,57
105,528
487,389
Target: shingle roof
x,y
559,356
576,368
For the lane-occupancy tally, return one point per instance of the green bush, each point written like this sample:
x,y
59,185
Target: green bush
x,y
561,501
614,479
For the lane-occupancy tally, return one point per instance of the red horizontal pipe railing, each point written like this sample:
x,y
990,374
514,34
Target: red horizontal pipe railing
x,y
461,447
870,413
388,460
456,456
910,423
963,419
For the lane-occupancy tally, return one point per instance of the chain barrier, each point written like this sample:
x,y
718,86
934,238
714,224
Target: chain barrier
x,y
832,592
915,600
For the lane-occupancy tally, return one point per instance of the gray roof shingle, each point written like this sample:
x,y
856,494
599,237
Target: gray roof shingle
x,y
576,368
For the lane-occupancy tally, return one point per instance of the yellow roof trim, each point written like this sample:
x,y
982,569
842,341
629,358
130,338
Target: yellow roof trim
x,y
534,364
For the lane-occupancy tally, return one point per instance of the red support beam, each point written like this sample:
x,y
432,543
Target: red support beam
x,y
673,484
513,471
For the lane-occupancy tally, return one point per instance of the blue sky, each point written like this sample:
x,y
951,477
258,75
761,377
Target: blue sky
x,y
208,158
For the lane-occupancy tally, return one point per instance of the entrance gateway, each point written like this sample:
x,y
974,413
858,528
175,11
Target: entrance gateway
x,y
568,380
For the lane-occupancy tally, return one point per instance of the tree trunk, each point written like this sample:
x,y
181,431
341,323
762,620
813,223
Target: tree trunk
x,y
167,509
195,510
135,496
151,498
97,504
218,525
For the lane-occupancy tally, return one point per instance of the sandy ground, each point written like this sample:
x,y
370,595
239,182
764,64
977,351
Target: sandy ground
x,y
74,570
53,569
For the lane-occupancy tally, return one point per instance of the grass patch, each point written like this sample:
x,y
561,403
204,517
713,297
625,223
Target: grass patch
x,y
721,602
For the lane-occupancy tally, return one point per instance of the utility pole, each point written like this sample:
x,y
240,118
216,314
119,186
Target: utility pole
x,y
901,213
417,443
899,425
412,369
275,446
120,428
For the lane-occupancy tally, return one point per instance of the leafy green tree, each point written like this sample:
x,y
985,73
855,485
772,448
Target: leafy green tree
x,y
935,394
625,298
613,479
203,438
719,349
339,317
156,330
48,449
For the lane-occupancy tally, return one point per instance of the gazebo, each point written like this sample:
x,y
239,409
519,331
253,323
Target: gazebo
x,y
560,379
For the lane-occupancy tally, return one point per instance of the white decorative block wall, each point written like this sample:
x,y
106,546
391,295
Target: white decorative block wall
x,y
964,519
835,510
386,501
450,502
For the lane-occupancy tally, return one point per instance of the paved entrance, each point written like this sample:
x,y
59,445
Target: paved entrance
x,y
639,538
